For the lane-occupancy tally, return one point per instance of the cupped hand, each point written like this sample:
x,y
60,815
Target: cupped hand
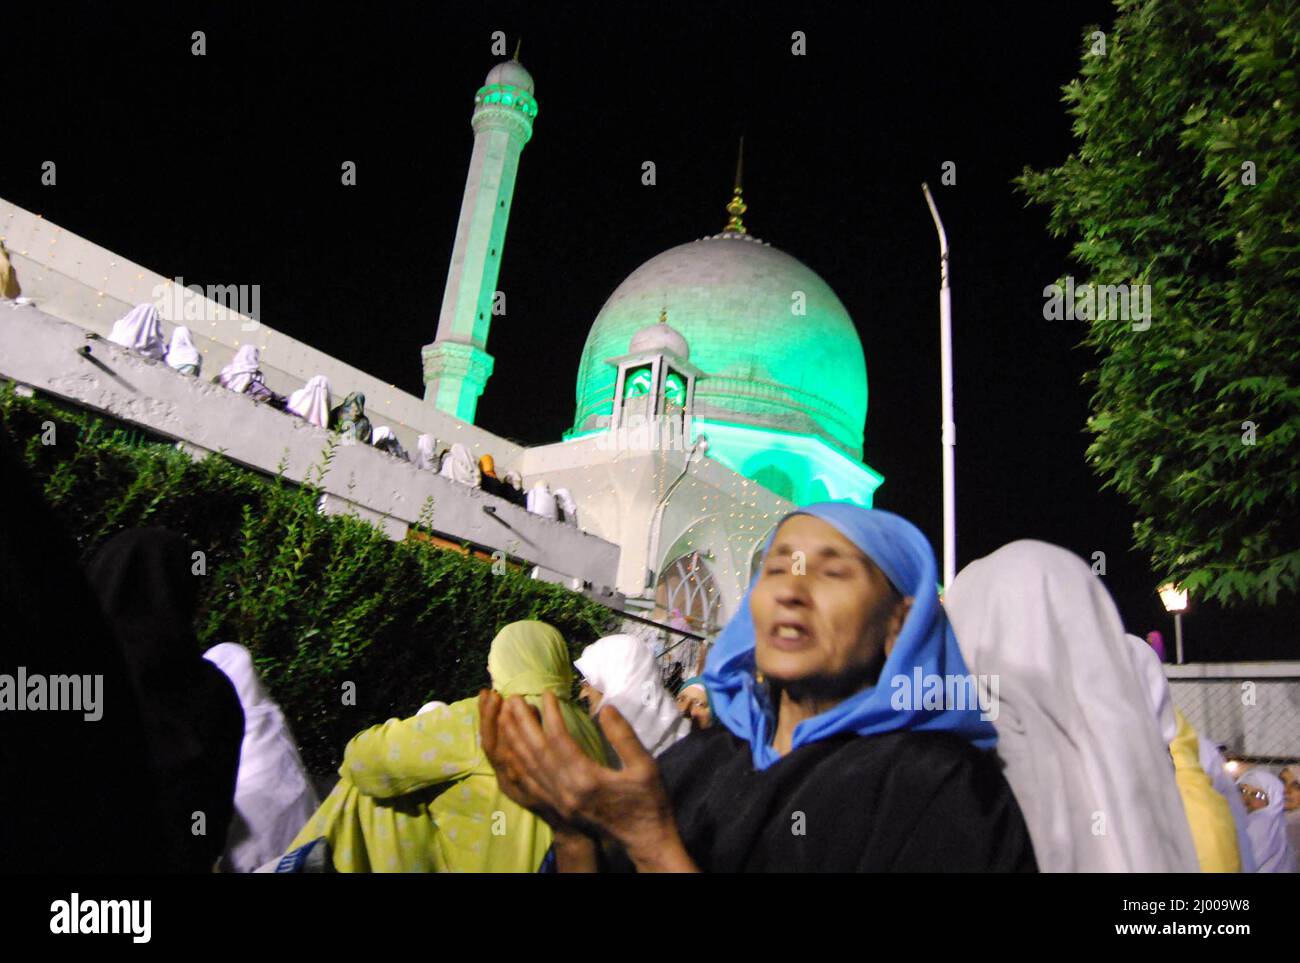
x,y
629,805
512,777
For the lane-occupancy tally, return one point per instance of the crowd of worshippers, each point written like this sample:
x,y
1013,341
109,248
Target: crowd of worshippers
x,y
141,331
808,743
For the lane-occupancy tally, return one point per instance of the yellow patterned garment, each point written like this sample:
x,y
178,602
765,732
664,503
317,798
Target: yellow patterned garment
x,y
418,795
1208,813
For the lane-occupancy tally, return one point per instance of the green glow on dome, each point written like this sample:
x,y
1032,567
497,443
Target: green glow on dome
x,y
800,468
776,347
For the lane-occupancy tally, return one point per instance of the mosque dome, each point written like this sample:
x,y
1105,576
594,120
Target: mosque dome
x,y
776,347
660,336
510,72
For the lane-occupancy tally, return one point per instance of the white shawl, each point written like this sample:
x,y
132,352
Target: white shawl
x,y
622,668
540,501
1152,675
564,498
311,402
181,351
425,446
238,375
460,467
274,797
1082,754
141,331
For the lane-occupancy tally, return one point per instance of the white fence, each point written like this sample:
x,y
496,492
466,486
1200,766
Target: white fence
x,y
1250,708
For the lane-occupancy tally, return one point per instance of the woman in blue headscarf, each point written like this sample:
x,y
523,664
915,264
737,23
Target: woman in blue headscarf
x,y
849,734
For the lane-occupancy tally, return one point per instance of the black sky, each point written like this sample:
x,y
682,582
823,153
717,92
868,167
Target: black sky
x,y
226,169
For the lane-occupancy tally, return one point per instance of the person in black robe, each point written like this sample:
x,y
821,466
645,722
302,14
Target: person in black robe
x,y
192,715
830,751
76,791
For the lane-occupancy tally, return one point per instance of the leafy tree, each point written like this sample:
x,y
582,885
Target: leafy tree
x,y
1187,178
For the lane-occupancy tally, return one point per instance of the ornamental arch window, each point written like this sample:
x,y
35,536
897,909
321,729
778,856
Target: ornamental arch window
x,y
687,584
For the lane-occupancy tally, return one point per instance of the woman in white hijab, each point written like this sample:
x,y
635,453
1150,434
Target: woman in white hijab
x,y
181,353
425,447
1266,821
542,502
620,671
460,467
564,498
385,439
242,370
141,331
274,797
311,402
1093,778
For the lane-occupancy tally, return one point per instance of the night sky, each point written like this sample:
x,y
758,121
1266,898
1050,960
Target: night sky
x,y
226,169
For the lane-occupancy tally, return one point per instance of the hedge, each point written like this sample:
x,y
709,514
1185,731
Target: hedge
x,y
321,600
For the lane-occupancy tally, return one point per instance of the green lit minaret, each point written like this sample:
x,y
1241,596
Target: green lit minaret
x,y
456,364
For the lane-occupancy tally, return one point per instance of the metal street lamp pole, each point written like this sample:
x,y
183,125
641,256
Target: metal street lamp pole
x,y
1178,637
949,424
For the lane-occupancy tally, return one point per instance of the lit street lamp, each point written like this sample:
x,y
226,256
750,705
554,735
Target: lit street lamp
x,y
1175,601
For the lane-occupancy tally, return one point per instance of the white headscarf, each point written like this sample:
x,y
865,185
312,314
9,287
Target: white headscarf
x,y
565,500
1148,666
274,797
181,351
425,446
311,402
623,670
1084,758
1217,769
1267,827
540,501
141,331
460,467
238,375
431,706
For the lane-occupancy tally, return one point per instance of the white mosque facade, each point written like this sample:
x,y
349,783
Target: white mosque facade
x,y
721,384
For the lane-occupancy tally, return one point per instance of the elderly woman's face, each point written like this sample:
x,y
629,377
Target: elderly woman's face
x,y
693,703
825,616
1254,797
1291,780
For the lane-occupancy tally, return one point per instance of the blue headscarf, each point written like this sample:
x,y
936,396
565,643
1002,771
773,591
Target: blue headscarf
x,y
925,641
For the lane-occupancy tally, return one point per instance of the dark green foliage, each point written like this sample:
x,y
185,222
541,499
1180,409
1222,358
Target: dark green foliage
x,y
320,600
1170,120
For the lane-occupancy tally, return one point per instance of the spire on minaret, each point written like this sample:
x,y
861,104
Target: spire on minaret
x,y
519,42
737,205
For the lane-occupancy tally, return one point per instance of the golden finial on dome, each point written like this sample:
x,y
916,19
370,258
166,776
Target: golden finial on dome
x,y
737,205
663,315
519,42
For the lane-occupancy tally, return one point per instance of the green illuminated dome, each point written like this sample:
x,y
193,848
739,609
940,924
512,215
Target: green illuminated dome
x,y
777,348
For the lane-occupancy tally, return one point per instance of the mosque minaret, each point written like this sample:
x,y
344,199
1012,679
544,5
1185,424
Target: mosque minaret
x,y
456,364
